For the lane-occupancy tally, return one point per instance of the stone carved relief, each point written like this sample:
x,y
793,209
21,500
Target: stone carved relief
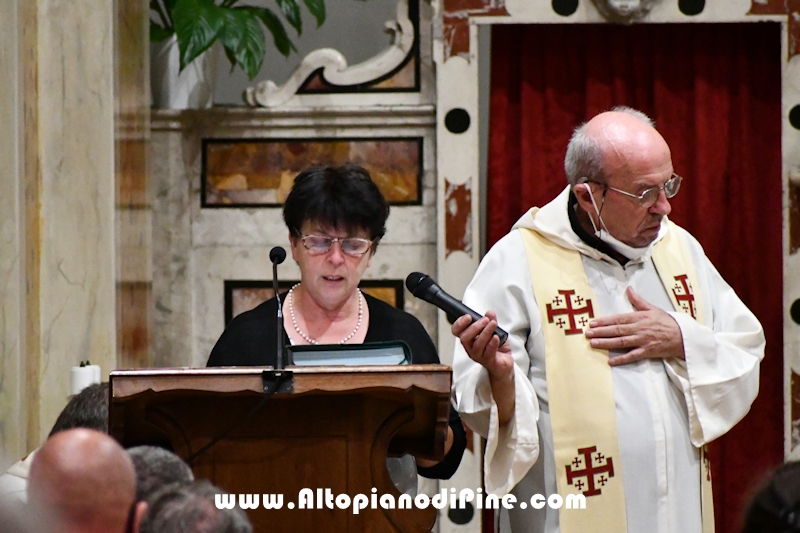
x,y
624,11
334,66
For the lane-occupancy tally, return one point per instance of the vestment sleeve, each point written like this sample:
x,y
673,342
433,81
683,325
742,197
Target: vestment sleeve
x,y
719,377
502,284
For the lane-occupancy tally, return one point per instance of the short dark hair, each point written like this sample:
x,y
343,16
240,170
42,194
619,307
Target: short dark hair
x,y
339,197
155,468
181,508
87,409
776,506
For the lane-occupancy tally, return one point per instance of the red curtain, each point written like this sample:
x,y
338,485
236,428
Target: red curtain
x,y
714,91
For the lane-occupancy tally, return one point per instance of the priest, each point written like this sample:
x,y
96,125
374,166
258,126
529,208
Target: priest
x,y
627,351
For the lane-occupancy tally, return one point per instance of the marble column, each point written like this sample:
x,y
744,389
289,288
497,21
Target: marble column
x,y
12,440
58,207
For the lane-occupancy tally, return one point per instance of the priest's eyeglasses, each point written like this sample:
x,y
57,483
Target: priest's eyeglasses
x,y
321,244
649,197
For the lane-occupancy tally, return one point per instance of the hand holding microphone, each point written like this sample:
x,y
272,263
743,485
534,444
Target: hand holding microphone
x,y
423,287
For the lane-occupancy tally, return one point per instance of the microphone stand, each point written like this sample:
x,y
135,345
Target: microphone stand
x,y
279,318
279,379
272,381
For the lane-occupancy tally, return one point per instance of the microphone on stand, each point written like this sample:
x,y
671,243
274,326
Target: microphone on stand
x,y
277,255
422,286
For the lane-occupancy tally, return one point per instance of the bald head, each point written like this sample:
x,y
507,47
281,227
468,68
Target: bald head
x,y
627,142
620,141
85,480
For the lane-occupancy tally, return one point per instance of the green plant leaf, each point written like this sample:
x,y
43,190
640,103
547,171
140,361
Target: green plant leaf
x,y
197,24
273,24
231,55
317,8
242,34
291,11
158,33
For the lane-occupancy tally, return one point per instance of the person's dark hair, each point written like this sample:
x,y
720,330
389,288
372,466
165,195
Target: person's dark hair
x,y
340,197
155,468
181,508
776,506
87,409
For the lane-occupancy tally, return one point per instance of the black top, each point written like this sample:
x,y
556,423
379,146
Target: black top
x,y
250,340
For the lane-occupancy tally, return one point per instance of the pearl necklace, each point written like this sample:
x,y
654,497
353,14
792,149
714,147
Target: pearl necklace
x,y
309,339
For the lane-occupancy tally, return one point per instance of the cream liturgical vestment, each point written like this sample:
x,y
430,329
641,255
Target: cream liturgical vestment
x,y
665,410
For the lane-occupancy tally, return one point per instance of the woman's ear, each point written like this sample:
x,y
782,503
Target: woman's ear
x,y
293,240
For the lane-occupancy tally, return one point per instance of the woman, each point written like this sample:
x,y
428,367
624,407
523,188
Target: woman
x,y
336,218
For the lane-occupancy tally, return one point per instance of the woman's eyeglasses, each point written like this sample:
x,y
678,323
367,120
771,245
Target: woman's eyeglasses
x,y
321,244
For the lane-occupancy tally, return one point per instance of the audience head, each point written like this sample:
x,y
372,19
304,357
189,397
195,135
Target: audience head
x,y
191,508
155,468
776,507
85,481
87,409
338,198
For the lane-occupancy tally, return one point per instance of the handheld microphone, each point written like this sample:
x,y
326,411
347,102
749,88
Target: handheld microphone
x,y
423,287
277,255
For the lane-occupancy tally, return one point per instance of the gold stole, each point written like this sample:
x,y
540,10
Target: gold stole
x,y
579,385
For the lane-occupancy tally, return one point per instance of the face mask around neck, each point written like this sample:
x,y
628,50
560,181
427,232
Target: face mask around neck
x,y
603,234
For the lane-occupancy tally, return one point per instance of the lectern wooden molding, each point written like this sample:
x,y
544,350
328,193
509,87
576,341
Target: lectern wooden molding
x,y
332,431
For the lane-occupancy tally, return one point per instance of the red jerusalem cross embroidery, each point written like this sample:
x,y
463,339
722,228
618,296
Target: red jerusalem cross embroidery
x,y
571,312
604,471
685,298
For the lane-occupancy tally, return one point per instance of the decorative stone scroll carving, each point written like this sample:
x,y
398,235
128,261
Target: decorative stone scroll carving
x,y
335,69
624,11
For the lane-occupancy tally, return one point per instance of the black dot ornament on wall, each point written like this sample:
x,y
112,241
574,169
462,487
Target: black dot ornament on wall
x,y
794,117
794,311
460,516
457,120
691,7
565,8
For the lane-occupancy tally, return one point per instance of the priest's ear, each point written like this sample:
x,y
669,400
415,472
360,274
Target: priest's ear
x,y
583,192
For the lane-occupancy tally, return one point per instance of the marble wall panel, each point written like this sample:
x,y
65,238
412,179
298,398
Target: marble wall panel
x,y
172,247
260,172
134,333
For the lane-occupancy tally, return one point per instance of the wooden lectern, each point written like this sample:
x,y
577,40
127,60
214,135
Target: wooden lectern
x,y
331,428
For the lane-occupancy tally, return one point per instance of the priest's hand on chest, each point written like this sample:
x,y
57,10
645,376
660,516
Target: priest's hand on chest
x,y
648,333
